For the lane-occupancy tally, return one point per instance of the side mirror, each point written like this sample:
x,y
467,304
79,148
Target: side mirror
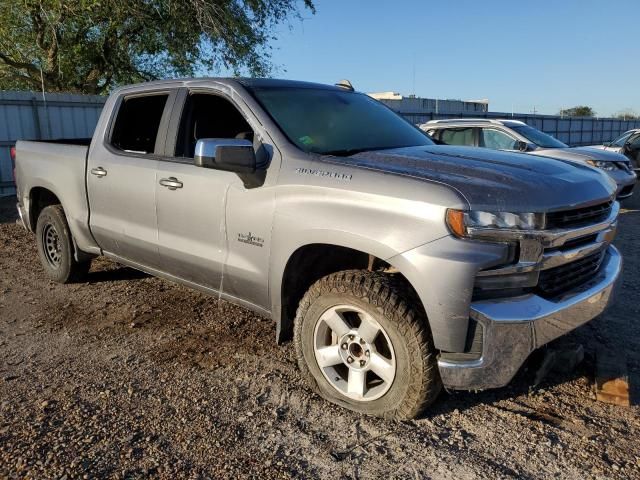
x,y
522,146
228,154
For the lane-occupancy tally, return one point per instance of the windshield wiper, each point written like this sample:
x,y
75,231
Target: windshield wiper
x,y
352,151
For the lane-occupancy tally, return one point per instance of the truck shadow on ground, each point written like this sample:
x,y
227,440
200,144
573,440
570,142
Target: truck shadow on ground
x,y
118,274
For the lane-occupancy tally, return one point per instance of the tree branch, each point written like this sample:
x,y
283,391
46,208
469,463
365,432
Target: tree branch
x,y
21,65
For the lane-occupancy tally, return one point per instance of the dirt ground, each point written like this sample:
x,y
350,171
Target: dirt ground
x,y
129,376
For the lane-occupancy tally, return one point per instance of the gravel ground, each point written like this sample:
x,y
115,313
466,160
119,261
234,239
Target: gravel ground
x,y
129,376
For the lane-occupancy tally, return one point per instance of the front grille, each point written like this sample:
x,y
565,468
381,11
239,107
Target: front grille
x,y
579,216
558,280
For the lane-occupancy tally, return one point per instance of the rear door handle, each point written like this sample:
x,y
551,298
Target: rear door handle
x,y
98,172
171,183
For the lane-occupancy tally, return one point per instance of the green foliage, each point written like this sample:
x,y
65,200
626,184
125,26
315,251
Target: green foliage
x,y
91,46
627,114
580,111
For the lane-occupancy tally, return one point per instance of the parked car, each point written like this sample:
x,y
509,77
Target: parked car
x,y
627,144
518,136
397,266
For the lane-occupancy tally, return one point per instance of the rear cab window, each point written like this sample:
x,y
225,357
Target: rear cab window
x,y
136,126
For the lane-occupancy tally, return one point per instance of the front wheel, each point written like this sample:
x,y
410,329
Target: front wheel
x,y
364,344
55,247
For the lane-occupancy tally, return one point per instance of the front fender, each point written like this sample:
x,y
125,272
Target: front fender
x,y
443,274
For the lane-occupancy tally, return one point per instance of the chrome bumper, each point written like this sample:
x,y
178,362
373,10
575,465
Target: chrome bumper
x,y
514,327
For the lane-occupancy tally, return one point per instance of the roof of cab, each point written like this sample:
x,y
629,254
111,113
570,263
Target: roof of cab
x,y
245,82
279,83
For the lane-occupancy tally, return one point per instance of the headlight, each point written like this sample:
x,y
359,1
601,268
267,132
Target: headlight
x,y
462,223
607,166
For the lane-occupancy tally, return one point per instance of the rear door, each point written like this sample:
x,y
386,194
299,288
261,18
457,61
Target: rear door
x,y
121,177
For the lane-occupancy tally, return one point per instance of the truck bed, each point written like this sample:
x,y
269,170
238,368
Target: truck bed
x,y
58,166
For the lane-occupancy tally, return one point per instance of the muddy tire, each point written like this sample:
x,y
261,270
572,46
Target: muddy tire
x,y
363,342
55,247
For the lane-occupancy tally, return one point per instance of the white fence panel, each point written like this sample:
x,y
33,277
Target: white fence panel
x,y
29,116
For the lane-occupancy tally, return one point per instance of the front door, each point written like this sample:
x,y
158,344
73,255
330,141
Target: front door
x,y
191,200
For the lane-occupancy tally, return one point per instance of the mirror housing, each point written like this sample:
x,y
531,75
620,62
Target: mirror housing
x,y
523,146
228,154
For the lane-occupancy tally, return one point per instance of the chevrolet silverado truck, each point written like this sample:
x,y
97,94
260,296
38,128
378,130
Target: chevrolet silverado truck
x,y
397,266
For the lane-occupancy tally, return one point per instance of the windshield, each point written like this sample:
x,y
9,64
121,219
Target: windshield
x,y
333,122
620,141
541,139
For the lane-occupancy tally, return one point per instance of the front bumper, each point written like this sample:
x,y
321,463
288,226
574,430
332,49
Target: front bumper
x,y
515,327
625,182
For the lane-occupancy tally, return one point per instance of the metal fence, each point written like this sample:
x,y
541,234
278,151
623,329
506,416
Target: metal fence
x,y
29,116
574,131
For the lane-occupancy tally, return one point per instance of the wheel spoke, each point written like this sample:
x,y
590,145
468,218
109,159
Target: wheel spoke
x,y
357,382
328,356
382,367
335,321
368,329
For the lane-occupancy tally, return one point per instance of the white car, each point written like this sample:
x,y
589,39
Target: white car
x,y
627,144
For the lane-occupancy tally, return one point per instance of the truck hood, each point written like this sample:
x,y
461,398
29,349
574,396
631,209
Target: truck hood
x,y
601,147
581,154
493,180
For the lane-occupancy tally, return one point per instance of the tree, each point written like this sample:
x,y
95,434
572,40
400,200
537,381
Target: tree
x,y
91,46
627,114
580,111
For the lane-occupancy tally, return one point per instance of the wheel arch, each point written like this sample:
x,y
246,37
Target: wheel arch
x,y
308,263
40,198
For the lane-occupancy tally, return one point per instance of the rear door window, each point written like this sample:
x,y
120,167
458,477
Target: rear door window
x,y
136,127
458,136
497,140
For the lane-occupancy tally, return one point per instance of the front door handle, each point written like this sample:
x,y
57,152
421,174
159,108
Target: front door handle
x,y
171,183
98,172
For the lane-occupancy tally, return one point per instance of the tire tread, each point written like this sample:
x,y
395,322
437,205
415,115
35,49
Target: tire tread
x,y
395,297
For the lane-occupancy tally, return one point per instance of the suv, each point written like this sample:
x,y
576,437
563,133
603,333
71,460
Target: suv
x,y
627,144
516,135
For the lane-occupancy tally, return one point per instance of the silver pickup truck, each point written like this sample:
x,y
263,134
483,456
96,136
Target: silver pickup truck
x,y
396,265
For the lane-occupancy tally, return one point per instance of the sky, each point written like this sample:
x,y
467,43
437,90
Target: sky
x,y
537,55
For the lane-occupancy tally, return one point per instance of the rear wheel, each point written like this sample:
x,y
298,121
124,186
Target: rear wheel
x,y
55,247
364,343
